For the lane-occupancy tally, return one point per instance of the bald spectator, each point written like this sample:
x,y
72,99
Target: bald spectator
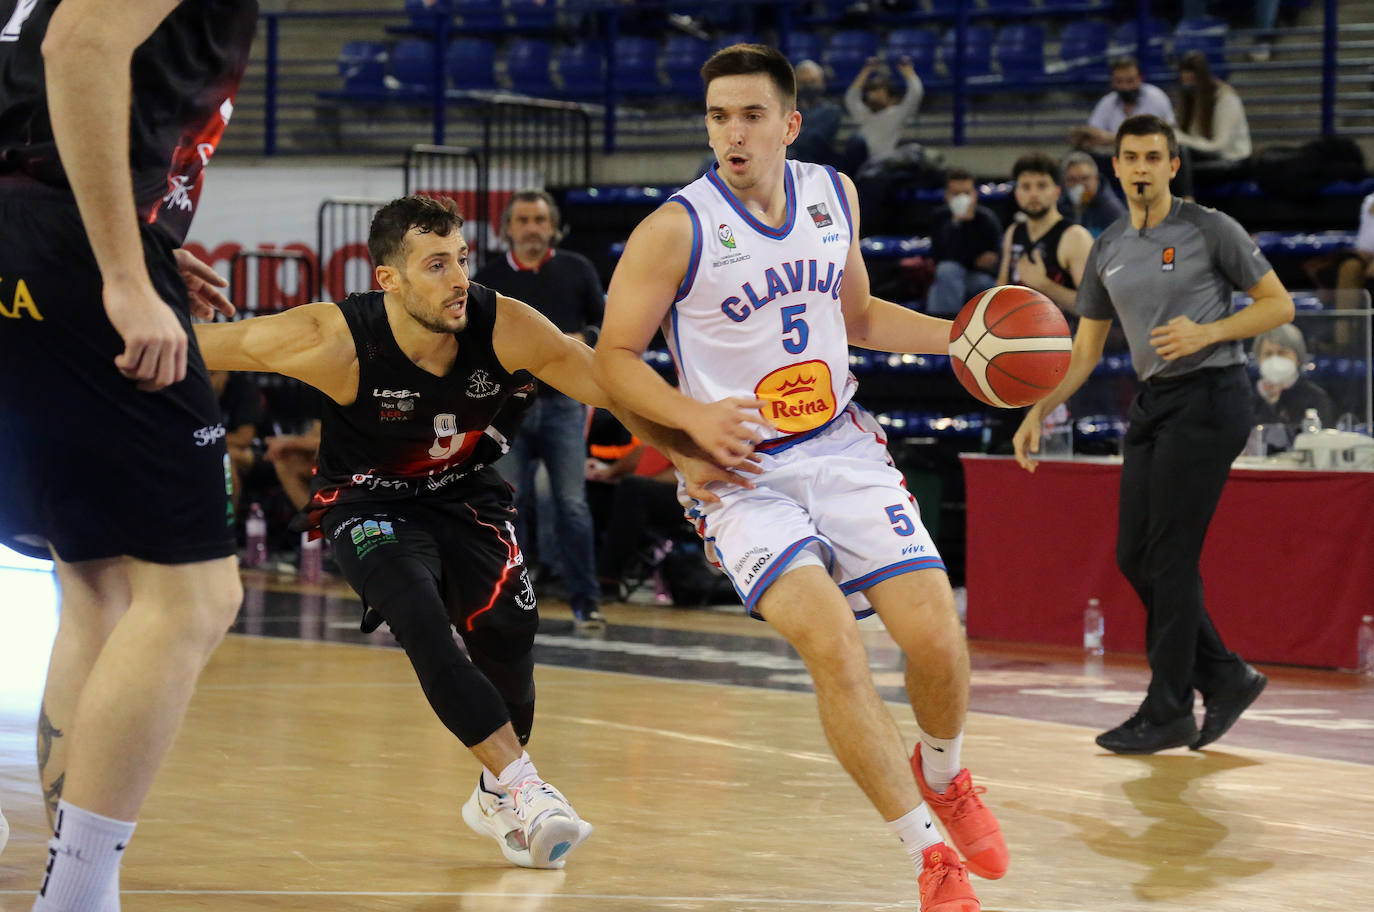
x,y
1085,201
820,118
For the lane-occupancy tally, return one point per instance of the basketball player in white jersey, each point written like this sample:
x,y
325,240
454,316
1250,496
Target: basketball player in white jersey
x,y
754,274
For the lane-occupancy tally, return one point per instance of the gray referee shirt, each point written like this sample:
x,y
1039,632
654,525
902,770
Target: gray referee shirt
x,y
1186,266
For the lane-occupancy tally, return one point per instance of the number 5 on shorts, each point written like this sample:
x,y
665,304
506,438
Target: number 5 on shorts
x,y
901,523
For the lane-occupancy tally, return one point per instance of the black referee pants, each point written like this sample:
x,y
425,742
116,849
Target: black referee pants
x,y
1183,435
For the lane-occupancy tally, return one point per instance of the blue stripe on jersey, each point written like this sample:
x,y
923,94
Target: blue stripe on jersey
x,y
844,200
891,570
685,288
776,234
779,564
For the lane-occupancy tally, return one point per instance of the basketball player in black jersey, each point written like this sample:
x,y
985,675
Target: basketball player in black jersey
x,y
1044,251
112,457
418,378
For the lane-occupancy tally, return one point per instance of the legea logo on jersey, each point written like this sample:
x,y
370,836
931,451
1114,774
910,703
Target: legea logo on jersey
x,y
800,396
726,235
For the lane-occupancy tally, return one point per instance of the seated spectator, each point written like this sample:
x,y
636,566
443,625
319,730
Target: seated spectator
x,y
1084,200
1211,118
1282,394
820,118
240,407
880,113
965,246
293,457
1356,270
1043,250
644,512
1130,95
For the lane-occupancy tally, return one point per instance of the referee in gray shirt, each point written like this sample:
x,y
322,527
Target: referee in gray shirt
x,y
1167,269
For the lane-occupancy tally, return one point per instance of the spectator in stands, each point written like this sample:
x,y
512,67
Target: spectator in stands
x,y
1042,249
1211,118
1130,95
564,287
964,246
880,112
820,118
293,457
1356,270
240,407
1282,394
1084,200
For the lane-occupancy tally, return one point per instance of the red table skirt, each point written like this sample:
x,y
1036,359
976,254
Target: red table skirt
x,y
1288,568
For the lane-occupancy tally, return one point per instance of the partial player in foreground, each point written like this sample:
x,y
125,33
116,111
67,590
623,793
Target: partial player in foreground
x,y
755,276
1167,269
421,380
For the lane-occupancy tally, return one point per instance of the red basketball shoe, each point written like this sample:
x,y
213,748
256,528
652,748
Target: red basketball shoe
x,y
967,821
944,882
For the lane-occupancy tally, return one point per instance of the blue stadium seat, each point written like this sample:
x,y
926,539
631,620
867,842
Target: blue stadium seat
x,y
977,51
1124,42
471,64
1008,6
425,14
634,66
725,39
362,64
804,46
527,65
1021,52
1083,49
918,46
533,14
846,53
1205,34
680,63
824,11
479,13
581,71
412,63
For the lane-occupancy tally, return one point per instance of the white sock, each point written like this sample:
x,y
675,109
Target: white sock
x,y
516,773
83,861
4,831
940,760
917,832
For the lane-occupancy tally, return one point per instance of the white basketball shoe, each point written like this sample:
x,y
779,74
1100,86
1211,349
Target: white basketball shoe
x,y
535,815
4,831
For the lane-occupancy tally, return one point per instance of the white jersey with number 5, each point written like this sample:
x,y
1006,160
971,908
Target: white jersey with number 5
x,y
758,313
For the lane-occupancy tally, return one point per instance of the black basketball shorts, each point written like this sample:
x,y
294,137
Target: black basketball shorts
x,y
466,540
88,463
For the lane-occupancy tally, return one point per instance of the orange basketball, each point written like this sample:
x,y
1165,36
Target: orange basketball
x,y
1010,346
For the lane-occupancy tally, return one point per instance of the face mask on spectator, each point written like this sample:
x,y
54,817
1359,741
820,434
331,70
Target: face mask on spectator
x,y
807,96
1279,370
959,205
1076,193
1128,96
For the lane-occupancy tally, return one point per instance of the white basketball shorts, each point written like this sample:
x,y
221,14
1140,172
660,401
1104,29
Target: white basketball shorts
x,y
830,497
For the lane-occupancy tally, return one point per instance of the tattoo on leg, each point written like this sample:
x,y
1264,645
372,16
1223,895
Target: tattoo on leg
x,y
46,733
53,793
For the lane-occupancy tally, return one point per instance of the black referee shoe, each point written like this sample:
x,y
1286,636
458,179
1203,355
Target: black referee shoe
x,y
1225,706
1138,735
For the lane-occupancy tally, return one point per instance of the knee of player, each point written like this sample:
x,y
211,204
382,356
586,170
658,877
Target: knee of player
x,y
835,651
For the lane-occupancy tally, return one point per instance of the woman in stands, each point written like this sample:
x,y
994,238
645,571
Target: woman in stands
x,y
1211,118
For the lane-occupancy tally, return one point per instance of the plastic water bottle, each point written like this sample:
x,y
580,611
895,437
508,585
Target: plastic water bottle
x,y
1365,643
1094,626
1311,422
255,535
311,569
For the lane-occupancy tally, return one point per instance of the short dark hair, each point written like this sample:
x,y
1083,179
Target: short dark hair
x,y
1124,62
958,174
748,59
386,240
1147,125
532,196
1036,163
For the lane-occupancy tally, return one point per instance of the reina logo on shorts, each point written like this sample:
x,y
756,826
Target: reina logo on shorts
x,y
208,435
800,396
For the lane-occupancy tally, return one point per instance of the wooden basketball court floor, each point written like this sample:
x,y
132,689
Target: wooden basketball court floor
x,y
311,774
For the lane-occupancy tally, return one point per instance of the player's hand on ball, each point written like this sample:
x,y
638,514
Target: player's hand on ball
x,y
726,429
203,284
1026,440
1180,337
154,353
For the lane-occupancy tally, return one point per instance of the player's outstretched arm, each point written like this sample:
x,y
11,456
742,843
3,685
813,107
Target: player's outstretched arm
x,y
525,339
311,343
1088,344
645,283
